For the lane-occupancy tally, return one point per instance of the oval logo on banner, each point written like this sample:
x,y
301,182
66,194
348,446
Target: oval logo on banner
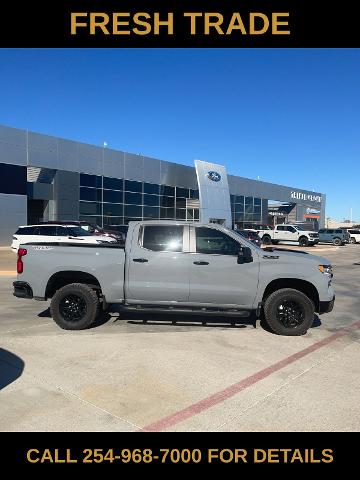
x,y
214,176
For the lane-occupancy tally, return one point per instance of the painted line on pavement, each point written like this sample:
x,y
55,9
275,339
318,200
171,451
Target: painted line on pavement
x,y
234,389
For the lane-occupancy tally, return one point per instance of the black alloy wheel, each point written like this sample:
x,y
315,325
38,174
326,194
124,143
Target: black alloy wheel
x,y
75,306
72,308
290,314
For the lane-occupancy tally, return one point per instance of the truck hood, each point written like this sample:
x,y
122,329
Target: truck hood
x,y
296,255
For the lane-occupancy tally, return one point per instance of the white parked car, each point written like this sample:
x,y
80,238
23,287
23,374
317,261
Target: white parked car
x,y
55,233
354,235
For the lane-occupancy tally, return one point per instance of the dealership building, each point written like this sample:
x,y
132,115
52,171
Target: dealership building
x,y
48,178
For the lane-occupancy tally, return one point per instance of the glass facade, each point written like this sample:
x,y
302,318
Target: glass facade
x,y
112,201
245,211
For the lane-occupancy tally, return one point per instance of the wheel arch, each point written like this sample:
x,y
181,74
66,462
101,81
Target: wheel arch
x,y
66,277
303,286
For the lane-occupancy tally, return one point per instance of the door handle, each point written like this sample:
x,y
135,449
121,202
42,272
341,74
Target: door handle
x,y
201,263
140,260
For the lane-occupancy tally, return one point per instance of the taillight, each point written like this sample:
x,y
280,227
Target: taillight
x,y
19,265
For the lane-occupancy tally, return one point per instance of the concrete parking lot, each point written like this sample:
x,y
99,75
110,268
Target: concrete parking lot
x,y
126,375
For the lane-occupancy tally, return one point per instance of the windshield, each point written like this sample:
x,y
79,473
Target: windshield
x,y
78,232
299,228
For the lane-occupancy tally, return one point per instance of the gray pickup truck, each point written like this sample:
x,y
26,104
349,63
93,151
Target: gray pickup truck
x,y
176,267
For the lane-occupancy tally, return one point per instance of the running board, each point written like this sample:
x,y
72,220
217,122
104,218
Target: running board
x,y
232,312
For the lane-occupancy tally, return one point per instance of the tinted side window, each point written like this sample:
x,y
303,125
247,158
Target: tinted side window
x,y
290,229
62,231
330,231
49,231
322,231
164,238
212,241
339,231
280,227
27,231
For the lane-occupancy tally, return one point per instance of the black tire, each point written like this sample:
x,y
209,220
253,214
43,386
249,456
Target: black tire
x,y
303,242
266,240
289,312
352,240
337,241
75,306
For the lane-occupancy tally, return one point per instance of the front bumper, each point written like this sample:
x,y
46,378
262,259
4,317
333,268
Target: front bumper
x,y
326,307
22,290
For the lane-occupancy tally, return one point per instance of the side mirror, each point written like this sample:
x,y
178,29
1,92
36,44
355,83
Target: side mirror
x,y
244,255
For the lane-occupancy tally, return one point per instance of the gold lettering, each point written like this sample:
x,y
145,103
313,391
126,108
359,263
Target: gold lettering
x,y
192,16
213,23
265,26
328,455
29,456
236,23
138,21
117,23
169,23
75,23
99,23
259,455
276,23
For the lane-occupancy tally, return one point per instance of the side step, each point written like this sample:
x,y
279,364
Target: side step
x,y
181,310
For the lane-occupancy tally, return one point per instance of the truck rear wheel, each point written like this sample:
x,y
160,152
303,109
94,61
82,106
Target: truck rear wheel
x,y
337,241
75,306
266,240
289,312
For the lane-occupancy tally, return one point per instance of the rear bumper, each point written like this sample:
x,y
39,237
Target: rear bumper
x,y
22,290
326,307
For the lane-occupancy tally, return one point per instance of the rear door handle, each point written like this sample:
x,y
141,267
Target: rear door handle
x,y
140,260
201,263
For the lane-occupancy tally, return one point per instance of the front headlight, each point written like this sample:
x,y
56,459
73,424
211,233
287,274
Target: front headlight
x,y
326,270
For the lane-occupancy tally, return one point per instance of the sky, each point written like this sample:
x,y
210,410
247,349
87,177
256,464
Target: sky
x,y
286,116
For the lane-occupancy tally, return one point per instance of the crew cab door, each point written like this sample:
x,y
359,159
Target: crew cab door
x,y
280,233
157,268
216,277
293,234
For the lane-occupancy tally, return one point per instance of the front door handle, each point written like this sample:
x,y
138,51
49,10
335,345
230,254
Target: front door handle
x,y
201,263
140,260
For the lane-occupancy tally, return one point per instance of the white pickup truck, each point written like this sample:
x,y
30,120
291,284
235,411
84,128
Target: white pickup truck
x,y
289,233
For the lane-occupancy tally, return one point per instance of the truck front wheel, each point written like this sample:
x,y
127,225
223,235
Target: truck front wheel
x,y
303,242
75,306
289,312
266,240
